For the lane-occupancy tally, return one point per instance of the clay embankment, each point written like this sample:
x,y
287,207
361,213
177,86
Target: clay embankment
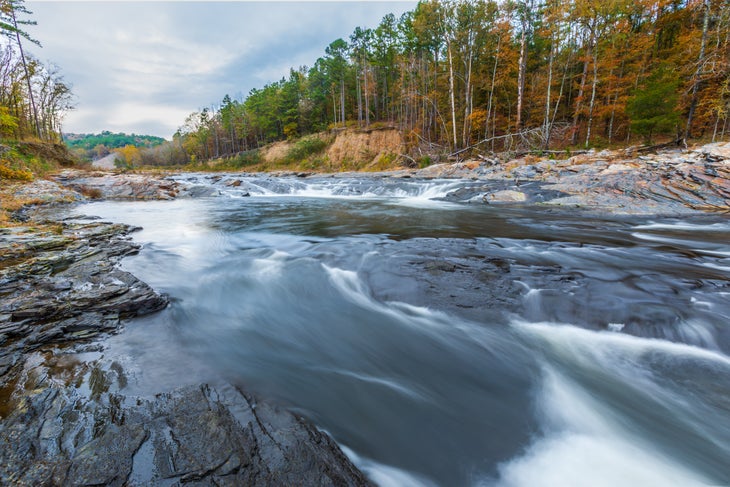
x,y
342,150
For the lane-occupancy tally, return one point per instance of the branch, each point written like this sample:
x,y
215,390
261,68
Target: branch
x,y
521,134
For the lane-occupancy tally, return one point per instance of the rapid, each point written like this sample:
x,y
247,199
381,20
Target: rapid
x,y
445,343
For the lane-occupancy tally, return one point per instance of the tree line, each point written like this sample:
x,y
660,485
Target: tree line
x,y
33,96
499,76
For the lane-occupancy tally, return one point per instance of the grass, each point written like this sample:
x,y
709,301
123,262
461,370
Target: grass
x,y
10,203
305,148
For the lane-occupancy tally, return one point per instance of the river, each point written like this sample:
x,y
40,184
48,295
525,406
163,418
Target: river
x,y
445,343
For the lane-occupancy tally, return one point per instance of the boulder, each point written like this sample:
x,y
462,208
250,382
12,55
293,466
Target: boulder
x,y
63,284
505,196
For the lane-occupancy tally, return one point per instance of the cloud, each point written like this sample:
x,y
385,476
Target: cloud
x,y
143,66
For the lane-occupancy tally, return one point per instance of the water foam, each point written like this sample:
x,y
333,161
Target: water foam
x,y
406,192
602,393
271,267
683,226
592,345
356,291
386,475
584,445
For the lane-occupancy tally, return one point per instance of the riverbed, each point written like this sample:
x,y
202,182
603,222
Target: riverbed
x,y
440,342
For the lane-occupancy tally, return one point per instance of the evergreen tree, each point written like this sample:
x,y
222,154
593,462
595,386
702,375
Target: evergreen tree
x,y
653,108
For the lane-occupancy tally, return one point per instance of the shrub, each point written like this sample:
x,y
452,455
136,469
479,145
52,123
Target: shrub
x,y
244,159
91,193
304,148
7,172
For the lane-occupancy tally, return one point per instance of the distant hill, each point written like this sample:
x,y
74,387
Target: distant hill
x,y
110,140
95,146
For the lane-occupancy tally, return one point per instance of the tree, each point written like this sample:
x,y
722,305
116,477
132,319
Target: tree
x,y
336,62
10,25
653,108
128,157
359,43
538,74
8,123
697,78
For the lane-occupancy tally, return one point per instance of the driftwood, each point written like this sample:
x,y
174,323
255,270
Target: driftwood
x,y
538,152
523,138
413,164
652,148
483,141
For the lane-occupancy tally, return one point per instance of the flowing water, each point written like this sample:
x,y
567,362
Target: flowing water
x,y
442,343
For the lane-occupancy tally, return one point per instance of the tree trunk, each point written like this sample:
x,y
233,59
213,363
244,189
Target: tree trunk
x,y
334,107
359,100
27,75
581,92
367,98
451,94
547,124
698,71
467,104
521,76
593,96
342,100
613,105
491,92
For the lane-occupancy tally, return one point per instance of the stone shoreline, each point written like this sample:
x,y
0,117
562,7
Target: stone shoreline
x,y
669,181
64,284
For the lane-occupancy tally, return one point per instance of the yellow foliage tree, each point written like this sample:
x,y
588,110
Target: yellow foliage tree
x,y
128,156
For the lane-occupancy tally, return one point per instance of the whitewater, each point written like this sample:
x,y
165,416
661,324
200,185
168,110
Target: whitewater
x,y
440,342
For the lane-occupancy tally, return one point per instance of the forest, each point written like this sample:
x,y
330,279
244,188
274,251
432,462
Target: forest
x,y
499,76
485,75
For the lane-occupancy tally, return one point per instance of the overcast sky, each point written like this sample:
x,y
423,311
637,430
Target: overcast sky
x,y
142,67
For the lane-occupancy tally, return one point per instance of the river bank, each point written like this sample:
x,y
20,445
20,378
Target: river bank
x,y
67,415
670,181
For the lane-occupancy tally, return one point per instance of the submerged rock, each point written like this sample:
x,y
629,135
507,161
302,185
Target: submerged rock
x,y
200,191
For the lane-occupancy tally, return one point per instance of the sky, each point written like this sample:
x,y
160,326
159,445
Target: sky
x,y
143,67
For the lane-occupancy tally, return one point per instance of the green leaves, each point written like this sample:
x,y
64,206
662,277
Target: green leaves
x,y
653,108
11,12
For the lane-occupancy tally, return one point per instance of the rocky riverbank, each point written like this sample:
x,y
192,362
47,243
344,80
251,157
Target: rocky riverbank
x,y
63,284
629,181
65,415
624,181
